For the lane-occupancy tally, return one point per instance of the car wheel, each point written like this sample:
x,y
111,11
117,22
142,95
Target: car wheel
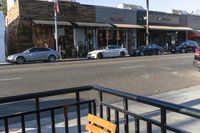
x,y
159,52
141,53
122,54
20,60
194,49
52,58
173,50
183,50
100,56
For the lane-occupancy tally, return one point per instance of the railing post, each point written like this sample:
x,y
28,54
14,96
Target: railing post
x,y
137,125
149,127
6,125
38,114
23,124
117,120
163,120
78,112
94,108
126,124
66,119
89,107
101,106
108,113
53,121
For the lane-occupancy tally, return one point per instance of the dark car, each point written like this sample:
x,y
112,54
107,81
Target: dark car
x,y
196,61
149,49
188,46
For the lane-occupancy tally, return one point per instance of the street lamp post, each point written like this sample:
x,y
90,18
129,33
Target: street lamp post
x,y
147,22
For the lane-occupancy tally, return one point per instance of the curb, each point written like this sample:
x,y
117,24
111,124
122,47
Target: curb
x,y
5,64
63,60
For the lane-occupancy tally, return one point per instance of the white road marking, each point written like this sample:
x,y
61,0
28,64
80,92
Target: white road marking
x,y
146,76
165,68
10,79
133,66
177,73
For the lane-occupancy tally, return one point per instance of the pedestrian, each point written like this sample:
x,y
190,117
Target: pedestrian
x,y
46,45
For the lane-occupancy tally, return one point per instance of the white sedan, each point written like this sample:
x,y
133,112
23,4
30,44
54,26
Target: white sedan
x,y
109,51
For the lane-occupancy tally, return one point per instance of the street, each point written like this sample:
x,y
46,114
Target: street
x,y
146,75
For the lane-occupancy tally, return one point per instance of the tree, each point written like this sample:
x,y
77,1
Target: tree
x,y
3,6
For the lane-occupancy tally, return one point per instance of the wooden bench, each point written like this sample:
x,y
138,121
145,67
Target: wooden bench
x,y
98,125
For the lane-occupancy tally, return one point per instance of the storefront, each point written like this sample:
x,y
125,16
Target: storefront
x,y
124,30
194,22
168,36
166,30
86,37
92,37
43,35
83,28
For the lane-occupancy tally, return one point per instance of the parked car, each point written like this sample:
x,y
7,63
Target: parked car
x,y
109,51
185,47
149,49
34,54
196,61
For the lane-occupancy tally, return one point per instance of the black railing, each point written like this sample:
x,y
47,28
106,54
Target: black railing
x,y
90,104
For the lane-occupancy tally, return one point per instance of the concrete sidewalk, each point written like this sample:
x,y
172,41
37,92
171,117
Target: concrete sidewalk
x,y
187,97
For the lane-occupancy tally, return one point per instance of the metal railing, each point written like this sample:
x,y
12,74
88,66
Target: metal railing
x,y
91,106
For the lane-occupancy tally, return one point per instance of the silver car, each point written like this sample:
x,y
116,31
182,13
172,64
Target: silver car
x,y
35,54
109,51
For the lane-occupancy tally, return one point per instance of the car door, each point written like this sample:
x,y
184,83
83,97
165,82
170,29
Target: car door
x,y
43,53
35,54
188,46
117,51
154,49
29,54
148,50
110,51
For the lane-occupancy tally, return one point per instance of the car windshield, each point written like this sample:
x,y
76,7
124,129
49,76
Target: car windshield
x,y
26,51
112,47
183,44
142,47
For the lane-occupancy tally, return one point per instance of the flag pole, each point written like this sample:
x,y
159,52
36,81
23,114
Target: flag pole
x,y
56,27
147,22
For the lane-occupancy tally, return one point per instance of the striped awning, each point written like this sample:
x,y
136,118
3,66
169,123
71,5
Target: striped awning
x,y
155,27
131,26
195,33
45,22
85,24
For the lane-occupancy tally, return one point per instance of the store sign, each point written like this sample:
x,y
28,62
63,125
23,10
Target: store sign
x,y
114,15
117,19
72,8
166,19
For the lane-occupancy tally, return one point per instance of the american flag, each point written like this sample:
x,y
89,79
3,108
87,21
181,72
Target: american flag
x,y
57,7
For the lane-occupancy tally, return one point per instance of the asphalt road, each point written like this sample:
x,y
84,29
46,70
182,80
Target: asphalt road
x,y
146,75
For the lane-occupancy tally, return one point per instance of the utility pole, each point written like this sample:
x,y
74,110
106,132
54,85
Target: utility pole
x,y
147,22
